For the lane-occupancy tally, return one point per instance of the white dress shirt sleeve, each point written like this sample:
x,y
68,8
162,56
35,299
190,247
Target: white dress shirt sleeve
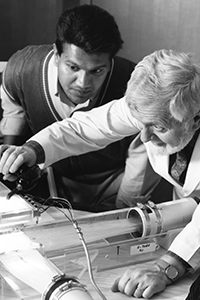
x,y
187,243
87,131
134,173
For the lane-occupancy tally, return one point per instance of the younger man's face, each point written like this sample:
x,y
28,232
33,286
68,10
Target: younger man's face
x,y
81,75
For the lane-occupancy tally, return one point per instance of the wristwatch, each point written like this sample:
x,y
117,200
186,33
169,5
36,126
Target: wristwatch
x,y
170,271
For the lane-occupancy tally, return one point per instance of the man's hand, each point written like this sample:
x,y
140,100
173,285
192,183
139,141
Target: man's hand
x,y
12,157
141,282
124,202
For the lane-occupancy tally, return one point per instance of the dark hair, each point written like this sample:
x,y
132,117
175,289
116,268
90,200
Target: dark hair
x,y
90,28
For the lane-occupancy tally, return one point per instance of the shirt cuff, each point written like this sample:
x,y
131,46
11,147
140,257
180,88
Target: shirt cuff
x,y
180,261
39,151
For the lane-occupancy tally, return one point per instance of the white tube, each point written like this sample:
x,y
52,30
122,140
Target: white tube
x,y
71,294
63,287
155,219
177,214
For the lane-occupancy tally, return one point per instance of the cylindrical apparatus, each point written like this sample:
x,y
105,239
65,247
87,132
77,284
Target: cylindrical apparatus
x,y
154,219
65,287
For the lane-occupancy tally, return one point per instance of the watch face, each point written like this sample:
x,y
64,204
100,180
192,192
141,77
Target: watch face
x,y
171,272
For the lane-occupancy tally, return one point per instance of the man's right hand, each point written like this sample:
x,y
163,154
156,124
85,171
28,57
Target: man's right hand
x,y
12,157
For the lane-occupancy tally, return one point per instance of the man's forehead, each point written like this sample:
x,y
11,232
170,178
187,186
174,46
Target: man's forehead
x,y
77,55
151,115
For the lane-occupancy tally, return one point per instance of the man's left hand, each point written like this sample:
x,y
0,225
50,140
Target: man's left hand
x,y
141,282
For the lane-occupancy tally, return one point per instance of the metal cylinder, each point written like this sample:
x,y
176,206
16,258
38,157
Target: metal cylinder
x,y
155,219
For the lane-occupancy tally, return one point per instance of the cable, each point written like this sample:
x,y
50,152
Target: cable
x,y
80,234
64,203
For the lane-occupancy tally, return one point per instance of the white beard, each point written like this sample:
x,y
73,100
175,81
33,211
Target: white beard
x,y
167,149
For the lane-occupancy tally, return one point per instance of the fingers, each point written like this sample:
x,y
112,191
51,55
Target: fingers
x,y
131,201
114,287
139,292
140,282
125,285
9,177
149,292
154,288
131,288
12,158
3,148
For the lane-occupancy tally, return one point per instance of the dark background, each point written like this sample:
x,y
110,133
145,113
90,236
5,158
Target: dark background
x,y
146,25
28,22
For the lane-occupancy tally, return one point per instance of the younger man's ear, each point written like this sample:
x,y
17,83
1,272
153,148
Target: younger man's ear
x,y
56,55
196,124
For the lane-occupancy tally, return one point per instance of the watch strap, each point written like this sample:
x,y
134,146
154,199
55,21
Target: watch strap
x,y
181,261
164,265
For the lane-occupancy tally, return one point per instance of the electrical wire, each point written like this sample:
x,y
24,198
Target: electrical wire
x,y
80,234
65,204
